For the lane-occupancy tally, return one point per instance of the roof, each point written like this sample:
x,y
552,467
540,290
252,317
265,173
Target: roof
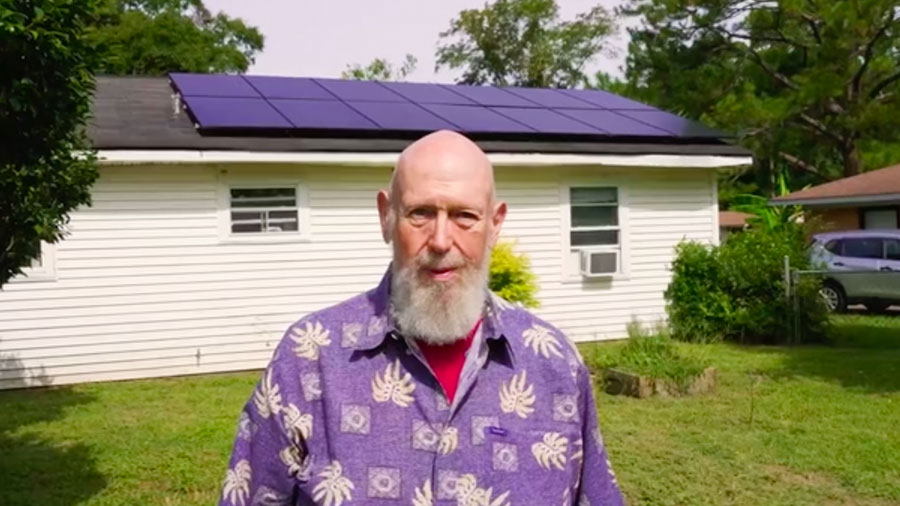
x,y
733,219
142,113
876,186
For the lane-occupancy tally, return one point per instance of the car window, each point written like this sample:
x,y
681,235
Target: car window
x,y
833,246
892,249
863,248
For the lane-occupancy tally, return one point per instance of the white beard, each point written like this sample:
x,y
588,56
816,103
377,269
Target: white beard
x,y
436,312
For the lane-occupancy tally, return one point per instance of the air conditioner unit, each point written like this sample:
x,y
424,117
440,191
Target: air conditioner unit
x,y
599,264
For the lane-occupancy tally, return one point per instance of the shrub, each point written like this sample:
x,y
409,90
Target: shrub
x,y
511,276
736,291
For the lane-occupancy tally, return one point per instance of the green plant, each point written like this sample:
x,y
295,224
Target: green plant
x,y
652,354
736,291
511,276
46,166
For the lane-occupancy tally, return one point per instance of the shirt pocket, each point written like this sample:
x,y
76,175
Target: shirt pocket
x,y
546,453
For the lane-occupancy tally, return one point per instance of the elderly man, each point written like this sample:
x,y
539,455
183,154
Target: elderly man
x,y
428,389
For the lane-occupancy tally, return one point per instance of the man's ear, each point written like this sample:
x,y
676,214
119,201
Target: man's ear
x,y
497,218
384,212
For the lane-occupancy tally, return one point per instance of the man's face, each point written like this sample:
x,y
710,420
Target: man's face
x,y
442,221
445,218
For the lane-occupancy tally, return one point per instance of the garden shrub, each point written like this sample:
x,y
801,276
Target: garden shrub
x,y
511,276
736,291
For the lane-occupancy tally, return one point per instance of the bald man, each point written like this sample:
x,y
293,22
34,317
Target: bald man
x,y
428,389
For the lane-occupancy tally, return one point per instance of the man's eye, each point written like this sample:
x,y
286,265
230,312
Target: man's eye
x,y
465,218
420,213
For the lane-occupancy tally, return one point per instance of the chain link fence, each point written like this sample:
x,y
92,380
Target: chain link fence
x,y
876,290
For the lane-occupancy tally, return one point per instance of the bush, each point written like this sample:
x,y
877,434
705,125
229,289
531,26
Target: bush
x,y
511,276
736,291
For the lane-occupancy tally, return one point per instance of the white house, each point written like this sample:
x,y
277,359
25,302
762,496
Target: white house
x,y
203,244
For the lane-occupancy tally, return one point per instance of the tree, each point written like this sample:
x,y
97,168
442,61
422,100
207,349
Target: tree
x,y
523,43
46,168
380,69
153,37
813,87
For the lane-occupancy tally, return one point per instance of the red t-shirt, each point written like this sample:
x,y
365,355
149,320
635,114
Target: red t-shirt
x,y
447,360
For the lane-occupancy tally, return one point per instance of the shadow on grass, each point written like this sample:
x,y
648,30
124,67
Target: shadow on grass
x,y
38,471
864,353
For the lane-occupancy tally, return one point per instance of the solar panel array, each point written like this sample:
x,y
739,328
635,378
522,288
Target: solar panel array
x,y
230,104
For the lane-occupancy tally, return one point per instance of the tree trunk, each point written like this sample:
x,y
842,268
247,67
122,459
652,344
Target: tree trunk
x,y
851,158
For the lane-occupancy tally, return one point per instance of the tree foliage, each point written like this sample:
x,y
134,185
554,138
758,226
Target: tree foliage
x,y
380,69
45,91
153,37
523,43
811,86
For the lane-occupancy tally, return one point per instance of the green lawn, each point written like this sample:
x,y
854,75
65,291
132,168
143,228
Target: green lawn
x,y
824,431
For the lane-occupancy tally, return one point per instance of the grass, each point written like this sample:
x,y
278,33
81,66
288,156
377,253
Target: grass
x,y
657,357
787,426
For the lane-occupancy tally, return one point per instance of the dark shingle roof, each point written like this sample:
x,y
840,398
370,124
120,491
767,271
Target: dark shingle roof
x,y
140,113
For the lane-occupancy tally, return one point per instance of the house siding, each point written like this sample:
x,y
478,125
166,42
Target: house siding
x,y
146,287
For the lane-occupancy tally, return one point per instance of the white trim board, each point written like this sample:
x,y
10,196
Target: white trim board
x,y
125,157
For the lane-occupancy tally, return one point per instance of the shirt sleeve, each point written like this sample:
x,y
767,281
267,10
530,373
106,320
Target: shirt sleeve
x,y
269,458
598,485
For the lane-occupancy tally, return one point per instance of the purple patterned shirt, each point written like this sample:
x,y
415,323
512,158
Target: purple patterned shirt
x,y
348,412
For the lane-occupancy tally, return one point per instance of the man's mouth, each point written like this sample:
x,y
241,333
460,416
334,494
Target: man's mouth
x,y
441,274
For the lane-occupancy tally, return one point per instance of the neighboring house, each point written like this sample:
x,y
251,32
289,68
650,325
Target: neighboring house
x,y
731,222
228,207
866,201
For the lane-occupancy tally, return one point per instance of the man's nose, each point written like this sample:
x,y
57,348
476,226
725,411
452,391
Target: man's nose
x,y
441,240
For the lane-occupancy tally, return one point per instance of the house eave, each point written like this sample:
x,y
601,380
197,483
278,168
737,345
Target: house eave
x,y
852,200
388,159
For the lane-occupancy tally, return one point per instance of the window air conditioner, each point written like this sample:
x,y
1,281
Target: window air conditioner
x,y
599,264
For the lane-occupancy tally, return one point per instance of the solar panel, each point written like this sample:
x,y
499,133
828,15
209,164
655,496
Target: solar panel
x,y
487,95
320,114
475,119
428,93
212,85
217,112
613,123
546,121
359,90
551,98
396,116
606,100
289,87
675,124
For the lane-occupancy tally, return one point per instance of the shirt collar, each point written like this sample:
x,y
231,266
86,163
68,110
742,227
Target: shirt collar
x,y
381,325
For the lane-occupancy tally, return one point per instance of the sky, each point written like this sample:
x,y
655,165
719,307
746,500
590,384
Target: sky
x,y
319,38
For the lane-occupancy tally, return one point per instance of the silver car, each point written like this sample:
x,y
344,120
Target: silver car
x,y
863,267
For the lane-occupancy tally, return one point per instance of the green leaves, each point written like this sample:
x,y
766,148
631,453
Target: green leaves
x,y
46,167
808,86
380,69
523,43
154,37
511,276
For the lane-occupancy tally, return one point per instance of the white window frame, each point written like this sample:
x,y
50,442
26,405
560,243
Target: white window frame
x,y
46,271
571,273
226,236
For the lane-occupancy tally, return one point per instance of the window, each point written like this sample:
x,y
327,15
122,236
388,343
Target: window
x,y
593,236
892,249
42,268
264,210
880,218
834,247
863,248
594,214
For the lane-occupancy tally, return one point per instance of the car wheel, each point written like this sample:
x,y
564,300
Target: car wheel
x,y
877,306
834,297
